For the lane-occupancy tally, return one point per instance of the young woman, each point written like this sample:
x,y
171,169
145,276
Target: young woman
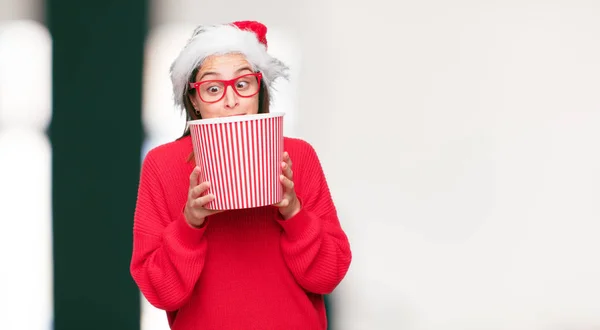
x,y
258,268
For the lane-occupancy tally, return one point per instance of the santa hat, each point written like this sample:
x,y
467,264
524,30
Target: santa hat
x,y
246,37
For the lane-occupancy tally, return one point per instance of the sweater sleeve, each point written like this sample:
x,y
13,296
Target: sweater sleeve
x,y
314,246
168,254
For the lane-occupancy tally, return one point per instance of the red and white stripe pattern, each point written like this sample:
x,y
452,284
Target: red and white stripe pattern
x,y
241,159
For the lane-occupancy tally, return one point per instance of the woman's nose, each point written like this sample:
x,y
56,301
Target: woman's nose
x,y
231,99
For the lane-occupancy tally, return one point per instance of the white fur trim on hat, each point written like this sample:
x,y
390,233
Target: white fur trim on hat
x,y
218,40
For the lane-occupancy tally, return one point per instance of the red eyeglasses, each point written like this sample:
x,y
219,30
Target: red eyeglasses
x,y
212,91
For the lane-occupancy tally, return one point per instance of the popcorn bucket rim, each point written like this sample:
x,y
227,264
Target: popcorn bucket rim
x,y
235,119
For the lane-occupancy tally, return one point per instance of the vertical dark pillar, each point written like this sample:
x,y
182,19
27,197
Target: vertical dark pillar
x,y
96,138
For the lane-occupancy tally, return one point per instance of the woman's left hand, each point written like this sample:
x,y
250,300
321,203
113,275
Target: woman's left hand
x,y
289,205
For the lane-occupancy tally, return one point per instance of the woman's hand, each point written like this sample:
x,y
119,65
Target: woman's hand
x,y
289,205
194,212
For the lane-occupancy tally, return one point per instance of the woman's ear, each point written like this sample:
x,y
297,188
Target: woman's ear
x,y
193,102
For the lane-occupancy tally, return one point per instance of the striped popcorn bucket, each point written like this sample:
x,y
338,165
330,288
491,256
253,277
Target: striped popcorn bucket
x,y
241,157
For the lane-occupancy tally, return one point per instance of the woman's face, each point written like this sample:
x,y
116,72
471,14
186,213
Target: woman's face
x,y
215,99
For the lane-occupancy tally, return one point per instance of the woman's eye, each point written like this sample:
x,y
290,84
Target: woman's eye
x,y
213,89
242,84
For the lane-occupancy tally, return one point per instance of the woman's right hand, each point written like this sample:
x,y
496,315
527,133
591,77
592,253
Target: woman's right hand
x,y
194,212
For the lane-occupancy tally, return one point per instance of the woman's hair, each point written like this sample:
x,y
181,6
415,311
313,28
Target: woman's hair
x,y
264,101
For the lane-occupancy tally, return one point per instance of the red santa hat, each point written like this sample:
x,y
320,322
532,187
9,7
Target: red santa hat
x,y
245,37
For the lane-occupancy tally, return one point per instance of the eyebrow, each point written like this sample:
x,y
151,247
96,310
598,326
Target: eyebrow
x,y
214,73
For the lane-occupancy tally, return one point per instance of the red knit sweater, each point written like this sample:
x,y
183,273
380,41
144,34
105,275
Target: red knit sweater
x,y
245,269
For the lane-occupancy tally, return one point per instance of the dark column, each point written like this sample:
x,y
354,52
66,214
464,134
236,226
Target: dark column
x,y
96,138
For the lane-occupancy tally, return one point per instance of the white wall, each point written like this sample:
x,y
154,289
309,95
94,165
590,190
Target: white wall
x,y
464,163
459,139
25,176
21,9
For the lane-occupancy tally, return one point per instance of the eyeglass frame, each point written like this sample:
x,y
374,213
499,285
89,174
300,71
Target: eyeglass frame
x,y
226,83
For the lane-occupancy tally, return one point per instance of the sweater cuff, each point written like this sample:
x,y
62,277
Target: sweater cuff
x,y
300,225
186,234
